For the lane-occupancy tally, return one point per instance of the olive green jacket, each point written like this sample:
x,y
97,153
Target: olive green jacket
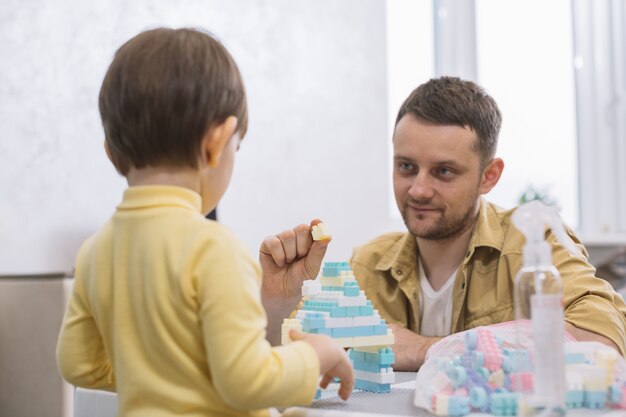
x,y
386,269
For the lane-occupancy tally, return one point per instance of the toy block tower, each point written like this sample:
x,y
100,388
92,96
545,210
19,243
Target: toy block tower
x,y
335,305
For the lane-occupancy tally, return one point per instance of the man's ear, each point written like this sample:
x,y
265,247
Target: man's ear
x,y
216,139
491,175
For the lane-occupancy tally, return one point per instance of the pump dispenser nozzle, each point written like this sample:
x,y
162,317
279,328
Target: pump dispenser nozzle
x,y
531,219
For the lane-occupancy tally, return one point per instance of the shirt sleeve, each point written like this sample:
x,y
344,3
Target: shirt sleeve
x,y
589,302
246,371
81,356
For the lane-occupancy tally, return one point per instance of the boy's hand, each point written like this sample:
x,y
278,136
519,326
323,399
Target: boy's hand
x,y
334,362
288,259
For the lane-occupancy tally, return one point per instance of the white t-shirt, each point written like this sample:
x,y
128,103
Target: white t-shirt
x,y
435,306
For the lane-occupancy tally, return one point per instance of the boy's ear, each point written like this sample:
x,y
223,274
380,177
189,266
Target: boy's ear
x,y
216,139
491,175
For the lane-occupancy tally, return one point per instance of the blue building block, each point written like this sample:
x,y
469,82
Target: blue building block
x,y
520,359
384,356
615,393
368,366
351,289
371,386
356,355
571,358
318,394
574,399
458,406
595,399
332,269
352,311
367,309
504,403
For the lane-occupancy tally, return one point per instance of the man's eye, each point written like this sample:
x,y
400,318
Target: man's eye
x,y
405,166
445,172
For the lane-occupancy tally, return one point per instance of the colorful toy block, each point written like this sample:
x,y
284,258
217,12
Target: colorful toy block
x,y
320,231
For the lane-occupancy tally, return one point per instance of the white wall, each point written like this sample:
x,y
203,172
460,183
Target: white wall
x,y
316,147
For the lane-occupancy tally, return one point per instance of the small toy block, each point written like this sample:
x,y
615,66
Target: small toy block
x,y
347,275
356,355
373,320
478,398
595,399
368,366
356,302
311,287
594,377
351,289
289,324
458,376
441,383
520,360
318,394
332,269
574,398
521,381
384,356
383,377
615,394
380,329
374,340
607,359
320,231
440,404
574,357
622,401
496,379
366,310
451,405
371,386
504,403
332,322
488,345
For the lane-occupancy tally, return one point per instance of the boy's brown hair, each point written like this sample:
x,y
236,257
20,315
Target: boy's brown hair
x,y
452,101
162,92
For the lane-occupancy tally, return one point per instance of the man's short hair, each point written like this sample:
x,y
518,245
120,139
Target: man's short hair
x,y
452,101
164,89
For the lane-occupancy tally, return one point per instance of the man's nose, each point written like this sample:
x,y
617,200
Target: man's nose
x,y
422,187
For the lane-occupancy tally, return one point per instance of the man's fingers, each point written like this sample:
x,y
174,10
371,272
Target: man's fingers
x,y
273,247
303,239
288,240
314,259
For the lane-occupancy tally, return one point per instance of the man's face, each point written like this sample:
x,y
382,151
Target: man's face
x,y
437,177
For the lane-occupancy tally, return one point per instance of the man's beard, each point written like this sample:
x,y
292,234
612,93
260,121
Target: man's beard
x,y
445,228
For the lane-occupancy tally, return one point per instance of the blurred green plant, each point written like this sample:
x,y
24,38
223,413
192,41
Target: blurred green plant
x,y
532,193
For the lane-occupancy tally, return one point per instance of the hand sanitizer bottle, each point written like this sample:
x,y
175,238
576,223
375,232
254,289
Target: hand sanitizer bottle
x,y
539,312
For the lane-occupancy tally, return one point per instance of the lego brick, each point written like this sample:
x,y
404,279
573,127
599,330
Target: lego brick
x,y
386,339
371,386
321,231
386,376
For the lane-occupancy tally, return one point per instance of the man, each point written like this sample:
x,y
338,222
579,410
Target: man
x,y
455,268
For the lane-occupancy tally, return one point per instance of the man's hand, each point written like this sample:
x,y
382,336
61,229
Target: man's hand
x,y
287,259
587,336
409,348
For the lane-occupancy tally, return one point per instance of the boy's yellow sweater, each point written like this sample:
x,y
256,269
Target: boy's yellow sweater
x,y
166,311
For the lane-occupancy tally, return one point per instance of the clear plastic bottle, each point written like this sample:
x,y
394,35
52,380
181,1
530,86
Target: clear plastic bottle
x,y
539,313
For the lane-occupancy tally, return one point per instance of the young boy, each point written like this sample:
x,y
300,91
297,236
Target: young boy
x,y
166,305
